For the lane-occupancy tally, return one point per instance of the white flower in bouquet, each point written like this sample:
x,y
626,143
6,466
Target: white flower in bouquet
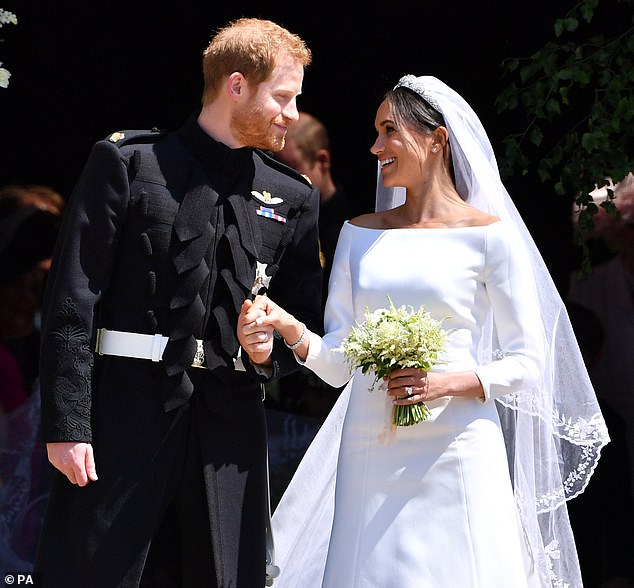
x,y
6,17
5,74
393,338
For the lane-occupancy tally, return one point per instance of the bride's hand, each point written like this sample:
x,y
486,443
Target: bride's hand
x,y
289,328
409,386
270,313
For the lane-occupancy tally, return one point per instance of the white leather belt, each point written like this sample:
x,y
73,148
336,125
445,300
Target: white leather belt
x,y
140,346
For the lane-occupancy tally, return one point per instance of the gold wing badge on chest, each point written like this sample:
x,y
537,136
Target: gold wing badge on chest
x,y
268,211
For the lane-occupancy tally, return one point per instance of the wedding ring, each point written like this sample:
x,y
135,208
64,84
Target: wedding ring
x,y
409,390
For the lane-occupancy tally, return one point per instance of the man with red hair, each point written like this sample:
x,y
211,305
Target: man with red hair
x,y
151,413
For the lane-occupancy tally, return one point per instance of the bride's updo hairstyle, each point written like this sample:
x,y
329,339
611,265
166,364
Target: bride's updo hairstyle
x,y
410,109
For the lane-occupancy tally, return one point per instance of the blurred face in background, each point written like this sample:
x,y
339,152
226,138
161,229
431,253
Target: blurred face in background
x,y
20,300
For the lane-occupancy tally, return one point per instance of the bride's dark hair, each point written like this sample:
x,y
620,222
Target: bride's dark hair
x,y
412,110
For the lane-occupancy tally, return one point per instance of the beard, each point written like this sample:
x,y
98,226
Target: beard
x,y
252,128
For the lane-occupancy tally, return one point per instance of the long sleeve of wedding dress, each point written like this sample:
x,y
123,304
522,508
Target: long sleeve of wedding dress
x,y
322,359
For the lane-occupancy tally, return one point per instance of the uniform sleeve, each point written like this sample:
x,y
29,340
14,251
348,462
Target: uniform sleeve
x,y
328,364
79,274
516,315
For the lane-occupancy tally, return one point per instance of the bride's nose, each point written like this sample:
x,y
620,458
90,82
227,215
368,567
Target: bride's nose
x,y
377,147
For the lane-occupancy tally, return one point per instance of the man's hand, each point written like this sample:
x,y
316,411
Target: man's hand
x,y
260,317
74,460
255,338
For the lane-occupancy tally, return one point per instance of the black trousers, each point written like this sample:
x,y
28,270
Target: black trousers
x,y
180,553
213,511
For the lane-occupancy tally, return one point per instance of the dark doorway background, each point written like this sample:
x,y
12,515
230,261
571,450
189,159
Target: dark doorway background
x,y
83,69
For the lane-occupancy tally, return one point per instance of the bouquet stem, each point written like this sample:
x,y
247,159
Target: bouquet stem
x,y
409,414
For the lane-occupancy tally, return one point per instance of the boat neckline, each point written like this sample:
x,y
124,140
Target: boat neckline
x,y
424,228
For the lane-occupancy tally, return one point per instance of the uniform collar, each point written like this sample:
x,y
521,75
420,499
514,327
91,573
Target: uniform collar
x,y
211,153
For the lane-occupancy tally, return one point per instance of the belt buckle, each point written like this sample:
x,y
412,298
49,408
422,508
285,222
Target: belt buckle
x,y
199,356
98,341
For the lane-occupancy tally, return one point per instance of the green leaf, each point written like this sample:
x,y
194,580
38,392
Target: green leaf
x,y
565,73
588,141
563,92
553,107
536,136
571,24
587,9
544,174
582,77
611,208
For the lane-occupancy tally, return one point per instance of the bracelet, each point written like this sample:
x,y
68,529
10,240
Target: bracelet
x,y
299,341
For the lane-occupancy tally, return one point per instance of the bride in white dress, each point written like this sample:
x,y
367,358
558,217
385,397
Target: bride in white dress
x,y
475,495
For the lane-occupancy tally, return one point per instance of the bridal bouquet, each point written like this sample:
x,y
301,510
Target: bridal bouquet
x,y
392,338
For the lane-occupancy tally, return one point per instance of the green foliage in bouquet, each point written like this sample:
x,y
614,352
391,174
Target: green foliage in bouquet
x,y
393,338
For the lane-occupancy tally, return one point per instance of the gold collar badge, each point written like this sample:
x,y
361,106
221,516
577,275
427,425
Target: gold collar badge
x,y
116,137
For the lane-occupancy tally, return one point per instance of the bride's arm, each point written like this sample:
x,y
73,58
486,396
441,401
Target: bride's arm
x,y
516,312
311,350
518,362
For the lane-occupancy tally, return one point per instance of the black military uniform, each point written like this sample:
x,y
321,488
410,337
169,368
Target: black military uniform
x,y
164,234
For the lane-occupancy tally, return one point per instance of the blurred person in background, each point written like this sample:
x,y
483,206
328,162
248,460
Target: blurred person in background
x,y
307,150
29,222
606,546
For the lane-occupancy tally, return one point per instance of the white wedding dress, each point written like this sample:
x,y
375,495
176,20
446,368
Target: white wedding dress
x,y
429,505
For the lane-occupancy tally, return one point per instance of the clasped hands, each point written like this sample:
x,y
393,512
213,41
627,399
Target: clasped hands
x,y
258,320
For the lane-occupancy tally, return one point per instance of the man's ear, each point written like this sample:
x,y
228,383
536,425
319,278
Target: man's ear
x,y
236,85
323,160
